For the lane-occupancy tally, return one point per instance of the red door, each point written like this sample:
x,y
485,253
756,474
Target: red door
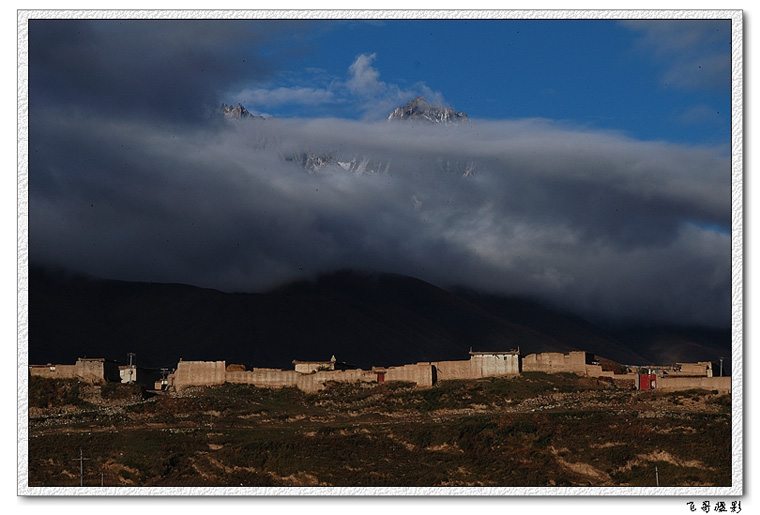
x,y
647,381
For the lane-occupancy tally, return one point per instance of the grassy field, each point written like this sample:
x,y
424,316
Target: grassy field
x,y
533,430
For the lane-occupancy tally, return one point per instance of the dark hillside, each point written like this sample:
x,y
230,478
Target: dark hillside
x,y
362,318
574,332
669,344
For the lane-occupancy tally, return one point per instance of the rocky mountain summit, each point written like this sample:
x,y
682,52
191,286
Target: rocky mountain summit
x,y
420,109
237,112
354,164
416,109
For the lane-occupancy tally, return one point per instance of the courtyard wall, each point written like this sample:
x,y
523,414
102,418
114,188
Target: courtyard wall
x,y
481,364
670,383
574,362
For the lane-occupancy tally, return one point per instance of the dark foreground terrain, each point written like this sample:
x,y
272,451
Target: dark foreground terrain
x,y
534,430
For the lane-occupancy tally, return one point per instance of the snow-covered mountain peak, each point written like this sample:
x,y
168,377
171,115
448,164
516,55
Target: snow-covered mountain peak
x,y
237,112
420,109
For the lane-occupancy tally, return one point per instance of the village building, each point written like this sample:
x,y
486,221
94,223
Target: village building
x,y
682,376
162,384
480,364
312,376
574,362
699,369
86,370
309,367
133,374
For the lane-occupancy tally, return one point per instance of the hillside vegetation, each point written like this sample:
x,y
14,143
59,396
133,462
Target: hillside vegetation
x,y
533,430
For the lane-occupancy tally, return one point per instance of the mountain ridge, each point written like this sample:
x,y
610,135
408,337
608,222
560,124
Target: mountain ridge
x,y
346,161
420,109
237,112
369,319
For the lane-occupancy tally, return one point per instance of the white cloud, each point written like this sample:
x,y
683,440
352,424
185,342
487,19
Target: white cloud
x,y
695,54
700,72
363,78
699,115
362,91
268,98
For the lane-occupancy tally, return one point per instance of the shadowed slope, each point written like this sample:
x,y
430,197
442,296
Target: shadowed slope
x,y
362,318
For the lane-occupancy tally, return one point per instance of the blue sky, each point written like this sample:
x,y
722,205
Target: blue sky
x,y
651,79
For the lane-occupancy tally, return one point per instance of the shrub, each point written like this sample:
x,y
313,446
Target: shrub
x,y
119,391
46,393
721,400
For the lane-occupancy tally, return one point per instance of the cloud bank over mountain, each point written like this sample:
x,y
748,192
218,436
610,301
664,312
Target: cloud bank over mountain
x,y
589,220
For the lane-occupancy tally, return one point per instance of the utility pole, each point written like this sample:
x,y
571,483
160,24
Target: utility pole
x,y
657,475
131,366
721,367
164,373
81,460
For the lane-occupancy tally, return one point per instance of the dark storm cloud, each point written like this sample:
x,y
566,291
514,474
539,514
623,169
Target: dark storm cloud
x,y
592,221
168,69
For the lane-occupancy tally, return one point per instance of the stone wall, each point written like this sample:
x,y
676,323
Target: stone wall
x,y
447,370
596,371
554,362
318,380
307,367
53,371
420,373
494,364
199,373
97,370
265,377
480,364
666,383
209,373
627,381
88,370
